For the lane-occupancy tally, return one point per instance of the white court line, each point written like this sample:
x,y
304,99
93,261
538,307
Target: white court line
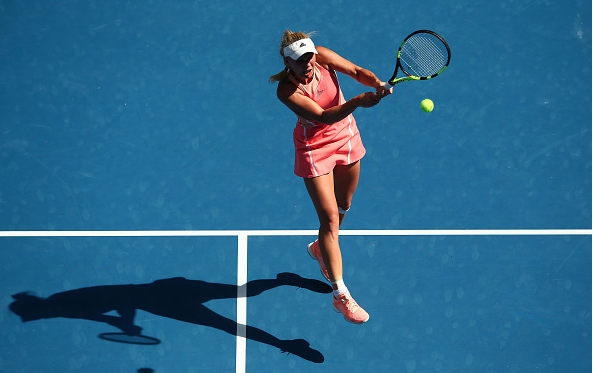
x,y
235,233
243,235
241,353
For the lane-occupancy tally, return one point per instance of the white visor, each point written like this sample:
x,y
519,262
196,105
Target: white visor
x,y
298,48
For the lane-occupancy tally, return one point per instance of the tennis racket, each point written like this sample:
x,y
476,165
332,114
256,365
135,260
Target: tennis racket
x,y
422,55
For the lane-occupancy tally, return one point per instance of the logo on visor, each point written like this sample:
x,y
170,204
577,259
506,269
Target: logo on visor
x,y
302,45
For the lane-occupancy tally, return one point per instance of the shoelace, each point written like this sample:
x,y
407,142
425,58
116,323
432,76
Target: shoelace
x,y
350,303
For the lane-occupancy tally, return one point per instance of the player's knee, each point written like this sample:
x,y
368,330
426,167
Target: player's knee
x,y
343,210
331,221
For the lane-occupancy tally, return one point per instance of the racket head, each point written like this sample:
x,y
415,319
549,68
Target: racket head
x,y
422,55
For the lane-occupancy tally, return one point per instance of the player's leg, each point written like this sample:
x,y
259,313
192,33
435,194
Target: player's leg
x,y
321,191
345,183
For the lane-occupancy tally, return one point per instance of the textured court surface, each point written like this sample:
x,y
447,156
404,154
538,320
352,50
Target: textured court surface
x,y
157,115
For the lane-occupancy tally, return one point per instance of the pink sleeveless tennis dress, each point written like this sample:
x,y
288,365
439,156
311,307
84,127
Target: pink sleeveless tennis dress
x,y
320,147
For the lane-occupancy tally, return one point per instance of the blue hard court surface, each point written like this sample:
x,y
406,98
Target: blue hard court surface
x,y
157,115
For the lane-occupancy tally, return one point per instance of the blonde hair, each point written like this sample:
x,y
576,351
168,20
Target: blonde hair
x,y
288,38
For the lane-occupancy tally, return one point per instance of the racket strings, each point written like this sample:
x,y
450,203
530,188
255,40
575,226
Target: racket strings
x,y
423,55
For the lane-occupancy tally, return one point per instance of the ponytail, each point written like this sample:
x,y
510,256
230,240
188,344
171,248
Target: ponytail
x,y
279,77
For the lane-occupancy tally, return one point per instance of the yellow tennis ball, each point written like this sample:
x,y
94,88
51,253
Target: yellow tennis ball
x,y
427,105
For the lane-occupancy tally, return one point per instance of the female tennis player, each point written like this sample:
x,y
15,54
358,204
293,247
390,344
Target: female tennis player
x,y
328,146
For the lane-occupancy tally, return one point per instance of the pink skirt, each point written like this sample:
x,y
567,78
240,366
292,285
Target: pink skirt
x,y
341,147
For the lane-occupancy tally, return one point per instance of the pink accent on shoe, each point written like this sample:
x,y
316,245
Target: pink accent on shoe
x,y
350,309
313,249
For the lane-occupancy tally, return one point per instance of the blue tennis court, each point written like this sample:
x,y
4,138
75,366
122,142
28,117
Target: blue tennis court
x,y
150,220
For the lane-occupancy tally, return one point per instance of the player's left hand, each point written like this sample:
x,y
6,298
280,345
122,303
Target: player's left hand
x,y
382,92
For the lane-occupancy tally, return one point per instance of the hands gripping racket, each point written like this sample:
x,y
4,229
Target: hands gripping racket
x,y
423,55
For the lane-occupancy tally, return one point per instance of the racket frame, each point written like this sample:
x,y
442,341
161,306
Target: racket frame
x,y
393,81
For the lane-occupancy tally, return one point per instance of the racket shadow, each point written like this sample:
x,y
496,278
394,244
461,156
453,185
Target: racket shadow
x,y
175,298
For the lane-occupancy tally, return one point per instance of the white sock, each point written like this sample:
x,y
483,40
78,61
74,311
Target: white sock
x,y
341,288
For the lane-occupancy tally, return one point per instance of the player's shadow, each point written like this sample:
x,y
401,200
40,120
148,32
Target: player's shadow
x,y
176,298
